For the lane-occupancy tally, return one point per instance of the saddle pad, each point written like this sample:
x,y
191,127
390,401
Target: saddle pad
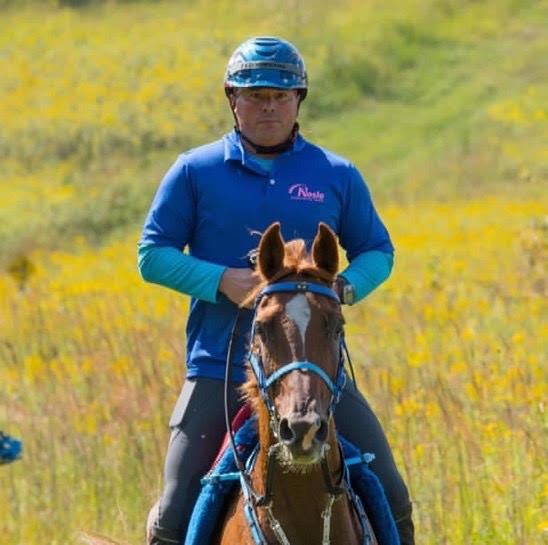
x,y
242,416
223,478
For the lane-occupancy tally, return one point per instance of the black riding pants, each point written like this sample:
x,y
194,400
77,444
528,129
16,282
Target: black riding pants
x,y
198,428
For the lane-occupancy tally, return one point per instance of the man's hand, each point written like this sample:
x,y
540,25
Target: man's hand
x,y
237,284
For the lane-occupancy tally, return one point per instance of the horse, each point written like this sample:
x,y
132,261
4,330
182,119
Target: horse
x,y
296,492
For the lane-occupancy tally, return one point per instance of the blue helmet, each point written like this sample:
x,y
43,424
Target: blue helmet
x,y
266,62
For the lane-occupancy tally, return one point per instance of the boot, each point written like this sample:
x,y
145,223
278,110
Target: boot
x,y
154,540
406,530
161,537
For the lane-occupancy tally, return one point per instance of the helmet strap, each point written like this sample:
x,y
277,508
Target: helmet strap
x,y
270,150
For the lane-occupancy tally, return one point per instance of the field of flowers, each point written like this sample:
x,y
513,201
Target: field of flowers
x,y
442,105
451,352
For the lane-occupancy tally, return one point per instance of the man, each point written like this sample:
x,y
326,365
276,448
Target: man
x,y
215,201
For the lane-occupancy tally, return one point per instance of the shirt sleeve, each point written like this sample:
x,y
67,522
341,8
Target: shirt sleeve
x,y
361,228
167,231
367,271
186,274
172,213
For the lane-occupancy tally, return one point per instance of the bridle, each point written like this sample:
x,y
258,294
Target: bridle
x,y
264,383
251,498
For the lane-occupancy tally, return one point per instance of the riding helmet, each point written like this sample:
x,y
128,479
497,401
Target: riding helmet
x,y
266,61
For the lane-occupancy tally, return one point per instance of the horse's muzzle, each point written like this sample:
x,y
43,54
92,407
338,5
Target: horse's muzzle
x,y
303,436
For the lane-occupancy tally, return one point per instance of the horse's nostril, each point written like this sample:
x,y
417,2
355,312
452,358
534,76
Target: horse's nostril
x,y
305,430
285,432
321,434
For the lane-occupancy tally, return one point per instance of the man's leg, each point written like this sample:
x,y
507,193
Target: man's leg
x,y
198,428
357,423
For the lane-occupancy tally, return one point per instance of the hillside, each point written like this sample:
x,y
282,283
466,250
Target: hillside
x,y
432,99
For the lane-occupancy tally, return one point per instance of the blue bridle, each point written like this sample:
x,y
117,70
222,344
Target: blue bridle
x,y
264,383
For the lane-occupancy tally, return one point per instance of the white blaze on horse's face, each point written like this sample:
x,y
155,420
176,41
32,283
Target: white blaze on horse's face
x,y
299,312
303,426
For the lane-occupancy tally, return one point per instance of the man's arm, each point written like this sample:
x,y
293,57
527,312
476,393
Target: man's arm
x,y
186,274
366,272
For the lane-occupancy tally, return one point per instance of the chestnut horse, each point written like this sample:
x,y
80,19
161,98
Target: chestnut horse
x,y
296,493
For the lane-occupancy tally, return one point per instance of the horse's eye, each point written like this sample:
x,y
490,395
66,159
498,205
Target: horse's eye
x,y
259,329
334,327
338,331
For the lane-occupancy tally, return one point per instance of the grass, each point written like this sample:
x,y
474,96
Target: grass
x,y
442,106
92,366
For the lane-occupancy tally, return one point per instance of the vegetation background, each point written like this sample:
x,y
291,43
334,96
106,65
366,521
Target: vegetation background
x,y
440,103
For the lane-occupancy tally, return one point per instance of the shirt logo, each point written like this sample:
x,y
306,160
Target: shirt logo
x,y
300,192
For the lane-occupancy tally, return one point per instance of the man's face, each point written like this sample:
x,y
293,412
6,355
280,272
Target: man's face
x,y
265,115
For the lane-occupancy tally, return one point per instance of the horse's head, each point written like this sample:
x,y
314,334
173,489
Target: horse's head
x,y
296,352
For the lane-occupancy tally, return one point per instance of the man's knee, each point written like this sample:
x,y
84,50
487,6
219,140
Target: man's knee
x,y
397,495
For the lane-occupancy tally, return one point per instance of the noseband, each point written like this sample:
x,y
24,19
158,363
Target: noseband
x,y
264,383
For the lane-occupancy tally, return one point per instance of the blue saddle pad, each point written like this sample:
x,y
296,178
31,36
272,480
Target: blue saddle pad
x,y
223,478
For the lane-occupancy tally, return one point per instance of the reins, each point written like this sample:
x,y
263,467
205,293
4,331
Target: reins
x,y
228,368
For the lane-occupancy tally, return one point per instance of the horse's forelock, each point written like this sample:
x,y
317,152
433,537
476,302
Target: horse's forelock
x,y
297,260
296,254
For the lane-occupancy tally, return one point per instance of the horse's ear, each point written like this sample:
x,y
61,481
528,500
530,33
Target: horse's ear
x,y
271,252
325,251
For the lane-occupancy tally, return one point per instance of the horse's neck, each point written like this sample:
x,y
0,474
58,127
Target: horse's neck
x,y
300,498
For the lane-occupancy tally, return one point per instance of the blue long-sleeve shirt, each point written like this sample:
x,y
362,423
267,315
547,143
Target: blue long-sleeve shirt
x,y
214,201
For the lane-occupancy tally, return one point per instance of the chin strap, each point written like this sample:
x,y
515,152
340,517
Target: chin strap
x,y
268,150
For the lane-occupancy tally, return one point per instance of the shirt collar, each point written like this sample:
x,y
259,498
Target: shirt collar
x,y
234,150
